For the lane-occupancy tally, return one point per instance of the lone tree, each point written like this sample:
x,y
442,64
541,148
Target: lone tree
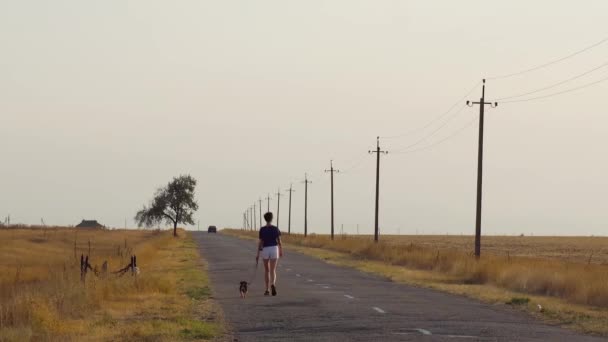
x,y
174,204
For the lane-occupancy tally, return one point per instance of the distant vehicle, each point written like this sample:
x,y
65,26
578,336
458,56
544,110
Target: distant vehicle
x,y
212,229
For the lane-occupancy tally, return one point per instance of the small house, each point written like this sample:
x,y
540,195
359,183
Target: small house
x,y
89,224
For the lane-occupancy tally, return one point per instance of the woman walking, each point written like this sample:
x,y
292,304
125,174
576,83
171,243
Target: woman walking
x,y
270,247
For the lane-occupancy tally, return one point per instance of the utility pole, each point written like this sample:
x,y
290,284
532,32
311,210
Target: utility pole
x,y
482,104
260,200
254,219
331,174
268,198
278,204
291,190
306,182
251,218
378,152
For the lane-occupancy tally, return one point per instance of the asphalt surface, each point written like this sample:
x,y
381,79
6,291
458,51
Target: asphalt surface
x,y
317,301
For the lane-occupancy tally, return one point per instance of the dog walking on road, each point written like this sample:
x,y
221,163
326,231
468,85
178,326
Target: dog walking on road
x,y
269,245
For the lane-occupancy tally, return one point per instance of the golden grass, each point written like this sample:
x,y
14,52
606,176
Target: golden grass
x,y
42,297
572,293
581,249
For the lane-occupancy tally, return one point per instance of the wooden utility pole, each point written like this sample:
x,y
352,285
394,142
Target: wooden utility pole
x,y
278,204
254,219
482,104
251,218
291,190
378,152
268,207
260,200
331,174
306,182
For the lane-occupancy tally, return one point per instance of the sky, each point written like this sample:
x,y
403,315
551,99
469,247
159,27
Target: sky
x,y
103,102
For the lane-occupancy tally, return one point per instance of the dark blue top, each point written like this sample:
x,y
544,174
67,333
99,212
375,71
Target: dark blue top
x,y
269,235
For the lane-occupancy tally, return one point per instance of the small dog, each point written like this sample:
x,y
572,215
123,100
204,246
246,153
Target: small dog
x,y
243,289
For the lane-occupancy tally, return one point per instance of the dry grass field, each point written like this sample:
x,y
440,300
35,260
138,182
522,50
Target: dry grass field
x,y
581,249
42,297
561,274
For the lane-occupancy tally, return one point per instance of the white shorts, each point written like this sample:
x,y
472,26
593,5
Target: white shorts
x,y
271,252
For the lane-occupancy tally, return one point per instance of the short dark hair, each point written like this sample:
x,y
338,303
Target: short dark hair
x,y
268,216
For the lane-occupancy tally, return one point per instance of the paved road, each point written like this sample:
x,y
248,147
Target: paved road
x,y
322,302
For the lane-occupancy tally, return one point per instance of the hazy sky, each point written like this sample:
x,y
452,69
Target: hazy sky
x,y
102,102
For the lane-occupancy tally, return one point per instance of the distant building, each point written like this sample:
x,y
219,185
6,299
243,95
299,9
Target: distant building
x,y
89,224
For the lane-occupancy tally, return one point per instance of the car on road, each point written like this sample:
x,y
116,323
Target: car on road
x,y
212,229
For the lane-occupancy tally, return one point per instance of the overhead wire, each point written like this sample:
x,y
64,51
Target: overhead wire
x,y
469,124
424,138
555,61
559,92
408,133
555,84
356,165
509,99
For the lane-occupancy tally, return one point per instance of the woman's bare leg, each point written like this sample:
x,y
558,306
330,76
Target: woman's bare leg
x,y
267,273
273,271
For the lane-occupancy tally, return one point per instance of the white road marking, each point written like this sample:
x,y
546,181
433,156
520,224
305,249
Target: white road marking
x,y
424,331
309,280
289,270
349,296
378,310
298,275
326,287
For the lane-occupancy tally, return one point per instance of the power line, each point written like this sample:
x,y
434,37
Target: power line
x,y
355,166
559,92
433,132
356,163
408,148
469,124
555,84
555,61
438,117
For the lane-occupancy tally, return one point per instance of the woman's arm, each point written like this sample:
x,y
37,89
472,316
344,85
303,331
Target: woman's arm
x,y
280,246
